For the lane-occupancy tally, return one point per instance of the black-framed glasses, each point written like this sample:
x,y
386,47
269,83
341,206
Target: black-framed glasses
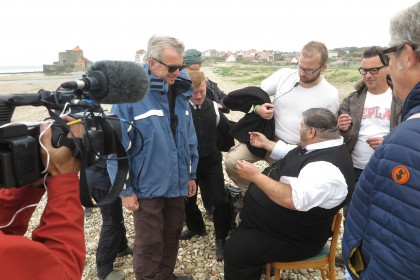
x,y
384,55
373,71
171,68
308,71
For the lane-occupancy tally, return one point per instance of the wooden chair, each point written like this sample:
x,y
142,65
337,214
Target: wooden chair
x,y
324,260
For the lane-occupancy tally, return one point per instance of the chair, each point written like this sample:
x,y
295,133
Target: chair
x,y
324,260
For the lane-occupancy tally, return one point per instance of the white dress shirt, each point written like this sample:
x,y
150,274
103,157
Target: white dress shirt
x,y
319,184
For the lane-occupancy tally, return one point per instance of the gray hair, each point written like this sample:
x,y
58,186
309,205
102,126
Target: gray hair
x,y
324,121
157,44
405,28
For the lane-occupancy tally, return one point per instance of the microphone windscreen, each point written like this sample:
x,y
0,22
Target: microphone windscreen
x,y
127,81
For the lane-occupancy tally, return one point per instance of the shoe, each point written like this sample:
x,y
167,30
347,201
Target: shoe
x,y
187,234
183,277
339,261
114,276
210,216
220,247
88,211
127,251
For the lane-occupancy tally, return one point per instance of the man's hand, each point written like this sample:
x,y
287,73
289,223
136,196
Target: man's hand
x,y
266,111
131,202
192,188
247,170
259,140
61,160
374,142
344,122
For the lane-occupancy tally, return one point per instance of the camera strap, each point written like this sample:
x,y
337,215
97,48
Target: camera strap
x,y
110,132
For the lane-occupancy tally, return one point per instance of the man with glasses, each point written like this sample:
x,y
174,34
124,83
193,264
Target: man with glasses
x,y
294,92
368,114
163,161
381,236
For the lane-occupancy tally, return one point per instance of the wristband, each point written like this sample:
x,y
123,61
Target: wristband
x,y
255,109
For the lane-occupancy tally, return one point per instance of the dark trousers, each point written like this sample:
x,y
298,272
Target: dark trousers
x,y
210,181
158,225
357,173
112,238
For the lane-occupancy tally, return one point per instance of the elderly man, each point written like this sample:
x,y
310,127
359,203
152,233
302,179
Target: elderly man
x,y
382,226
163,161
289,208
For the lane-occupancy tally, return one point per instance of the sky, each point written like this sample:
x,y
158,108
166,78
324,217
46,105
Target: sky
x,y
34,31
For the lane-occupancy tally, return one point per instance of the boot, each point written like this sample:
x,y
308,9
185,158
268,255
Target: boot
x,y
220,246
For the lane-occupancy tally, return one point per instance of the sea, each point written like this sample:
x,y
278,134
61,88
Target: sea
x,y
4,70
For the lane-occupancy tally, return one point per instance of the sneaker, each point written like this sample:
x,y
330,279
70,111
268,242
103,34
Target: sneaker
x,y
187,234
113,276
210,215
127,251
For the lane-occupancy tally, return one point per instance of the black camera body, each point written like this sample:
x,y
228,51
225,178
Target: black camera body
x,y
20,161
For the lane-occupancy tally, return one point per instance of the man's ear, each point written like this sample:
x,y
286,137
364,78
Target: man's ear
x,y
311,133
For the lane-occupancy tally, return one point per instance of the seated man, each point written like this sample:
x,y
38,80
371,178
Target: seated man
x,y
289,208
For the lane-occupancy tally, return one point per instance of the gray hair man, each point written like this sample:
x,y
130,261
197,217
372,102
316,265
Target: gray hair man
x,y
382,226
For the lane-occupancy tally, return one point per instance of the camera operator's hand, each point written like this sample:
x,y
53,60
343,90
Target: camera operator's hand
x,y
61,159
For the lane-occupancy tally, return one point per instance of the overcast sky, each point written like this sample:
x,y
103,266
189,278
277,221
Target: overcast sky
x,y
34,31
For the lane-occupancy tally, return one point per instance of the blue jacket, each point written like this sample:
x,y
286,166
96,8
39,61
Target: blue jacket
x,y
382,230
164,165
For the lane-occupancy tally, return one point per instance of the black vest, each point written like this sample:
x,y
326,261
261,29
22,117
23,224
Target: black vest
x,y
205,128
309,229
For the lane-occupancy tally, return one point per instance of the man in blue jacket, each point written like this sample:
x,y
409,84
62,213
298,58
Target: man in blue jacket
x,y
163,161
382,227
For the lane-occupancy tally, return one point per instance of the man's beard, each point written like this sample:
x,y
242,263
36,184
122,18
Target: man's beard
x,y
310,81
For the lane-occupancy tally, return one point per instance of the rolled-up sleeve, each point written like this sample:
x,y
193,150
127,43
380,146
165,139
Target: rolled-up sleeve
x,y
318,184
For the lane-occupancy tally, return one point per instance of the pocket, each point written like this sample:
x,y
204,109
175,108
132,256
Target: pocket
x,y
356,263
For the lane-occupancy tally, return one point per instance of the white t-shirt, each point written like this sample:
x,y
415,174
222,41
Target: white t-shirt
x,y
375,123
291,100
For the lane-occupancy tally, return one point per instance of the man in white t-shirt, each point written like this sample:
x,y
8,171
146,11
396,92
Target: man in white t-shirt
x,y
367,115
295,91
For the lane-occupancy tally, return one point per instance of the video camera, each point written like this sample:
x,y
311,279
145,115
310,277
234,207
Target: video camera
x,y
20,162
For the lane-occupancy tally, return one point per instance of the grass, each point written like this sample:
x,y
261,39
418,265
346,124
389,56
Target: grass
x,y
254,74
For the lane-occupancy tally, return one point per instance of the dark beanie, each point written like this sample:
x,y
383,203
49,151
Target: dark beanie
x,y
192,56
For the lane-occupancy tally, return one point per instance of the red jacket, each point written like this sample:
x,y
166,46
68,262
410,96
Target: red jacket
x,y
57,248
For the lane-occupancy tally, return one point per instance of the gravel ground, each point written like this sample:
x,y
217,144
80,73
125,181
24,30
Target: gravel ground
x,y
197,256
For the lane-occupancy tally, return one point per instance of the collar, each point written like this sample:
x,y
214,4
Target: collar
x,y
325,144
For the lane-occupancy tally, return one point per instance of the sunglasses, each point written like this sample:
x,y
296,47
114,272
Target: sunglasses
x,y
384,55
372,71
171,68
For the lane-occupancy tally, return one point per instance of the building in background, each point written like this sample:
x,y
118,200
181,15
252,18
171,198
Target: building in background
x,y
68,61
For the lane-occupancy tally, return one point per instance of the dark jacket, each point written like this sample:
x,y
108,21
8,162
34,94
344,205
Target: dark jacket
x,y
353,105
243,100
213,92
